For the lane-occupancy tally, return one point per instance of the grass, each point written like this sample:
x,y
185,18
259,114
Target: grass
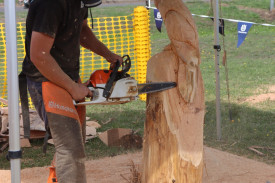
x,y
249,126
251,72
262,4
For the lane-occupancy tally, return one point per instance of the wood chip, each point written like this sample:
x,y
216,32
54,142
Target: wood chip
x,y
256,151
233,144
138,130
25,143
108,121
4,146
260,147
94,124
90,131
50,142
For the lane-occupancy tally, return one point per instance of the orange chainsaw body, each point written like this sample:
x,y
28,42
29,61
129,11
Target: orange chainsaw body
x,y
100,77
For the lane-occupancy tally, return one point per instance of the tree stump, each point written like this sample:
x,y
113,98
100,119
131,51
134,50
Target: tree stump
x,y
173,135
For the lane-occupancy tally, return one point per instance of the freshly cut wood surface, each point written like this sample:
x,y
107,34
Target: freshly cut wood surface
x,y
173,136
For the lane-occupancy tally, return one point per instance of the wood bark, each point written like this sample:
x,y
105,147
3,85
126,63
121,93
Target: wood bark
x,y
173,135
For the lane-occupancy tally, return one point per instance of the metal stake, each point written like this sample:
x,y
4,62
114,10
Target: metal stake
x,y
13,96
217,64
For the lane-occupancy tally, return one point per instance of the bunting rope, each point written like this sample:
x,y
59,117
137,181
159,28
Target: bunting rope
x,y
233,20
228,19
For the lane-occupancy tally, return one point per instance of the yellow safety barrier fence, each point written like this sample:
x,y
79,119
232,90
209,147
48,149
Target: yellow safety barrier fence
x,y
123,35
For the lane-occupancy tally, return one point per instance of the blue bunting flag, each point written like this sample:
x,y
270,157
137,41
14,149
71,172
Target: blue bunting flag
x,y
243,28
158,19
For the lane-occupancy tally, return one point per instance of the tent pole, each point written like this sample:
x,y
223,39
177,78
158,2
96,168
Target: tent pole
x,y
13,94
217,65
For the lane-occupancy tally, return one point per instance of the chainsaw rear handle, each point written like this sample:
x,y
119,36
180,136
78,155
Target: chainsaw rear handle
x,y
126,65
109,84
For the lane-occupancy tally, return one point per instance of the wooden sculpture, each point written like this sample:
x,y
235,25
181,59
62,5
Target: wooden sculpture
x,y
173,135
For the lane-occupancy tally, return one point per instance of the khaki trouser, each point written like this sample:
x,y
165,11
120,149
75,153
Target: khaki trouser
x,y
70,156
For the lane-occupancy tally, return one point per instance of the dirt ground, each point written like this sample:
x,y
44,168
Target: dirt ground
x,y
220,167
268,95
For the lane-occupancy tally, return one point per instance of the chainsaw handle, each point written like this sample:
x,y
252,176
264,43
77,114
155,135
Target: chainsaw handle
x,y
126,64
109,84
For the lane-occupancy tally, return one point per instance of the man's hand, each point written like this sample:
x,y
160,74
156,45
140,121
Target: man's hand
x,y
113,59
80,91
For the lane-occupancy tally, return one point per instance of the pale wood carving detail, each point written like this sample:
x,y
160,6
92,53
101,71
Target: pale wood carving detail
x,y
173,135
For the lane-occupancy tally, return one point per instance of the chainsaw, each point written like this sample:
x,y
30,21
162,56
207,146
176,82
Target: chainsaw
x,y
116,86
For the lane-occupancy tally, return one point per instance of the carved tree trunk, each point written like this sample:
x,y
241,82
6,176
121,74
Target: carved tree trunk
x,y
173,135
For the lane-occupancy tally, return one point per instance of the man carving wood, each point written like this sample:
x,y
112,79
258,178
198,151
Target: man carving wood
x,y
173,136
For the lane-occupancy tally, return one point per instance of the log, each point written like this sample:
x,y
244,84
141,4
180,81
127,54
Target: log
x,y
173,134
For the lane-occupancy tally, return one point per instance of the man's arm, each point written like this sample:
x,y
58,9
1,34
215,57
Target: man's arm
x,y
88,40
41,45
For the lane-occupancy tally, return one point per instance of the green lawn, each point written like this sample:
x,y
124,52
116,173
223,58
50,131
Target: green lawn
x,y
251,71
261,4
